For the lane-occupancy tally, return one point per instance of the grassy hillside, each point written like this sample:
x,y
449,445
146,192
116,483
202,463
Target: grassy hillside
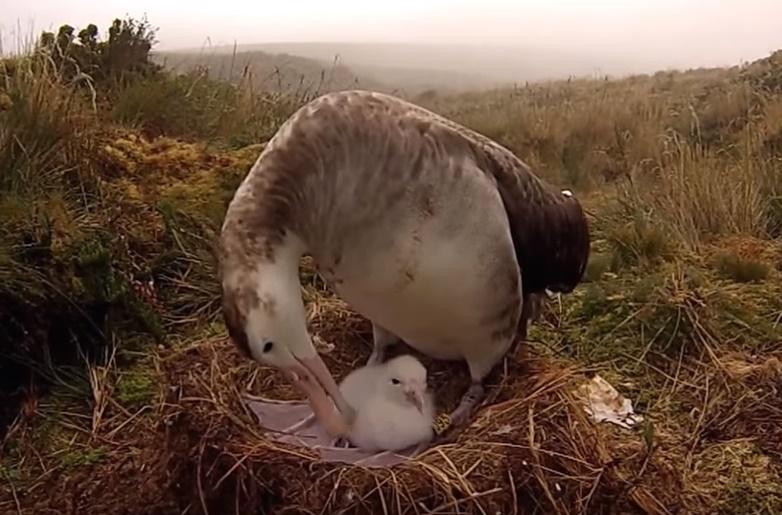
x,y
265,71
120,393
453,66
285,72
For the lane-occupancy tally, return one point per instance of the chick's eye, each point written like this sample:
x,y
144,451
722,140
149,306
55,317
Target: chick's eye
x,y
395,381
268,346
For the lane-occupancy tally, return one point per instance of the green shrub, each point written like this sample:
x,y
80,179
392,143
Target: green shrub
x,y
124,54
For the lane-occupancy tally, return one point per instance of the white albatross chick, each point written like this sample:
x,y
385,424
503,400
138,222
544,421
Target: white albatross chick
x,y
394,408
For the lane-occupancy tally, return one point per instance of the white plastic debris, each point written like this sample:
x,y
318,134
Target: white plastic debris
x,y
604,403
321,345
504,429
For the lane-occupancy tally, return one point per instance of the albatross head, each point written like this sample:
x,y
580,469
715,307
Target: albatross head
x,y
564,234
404,381
264,315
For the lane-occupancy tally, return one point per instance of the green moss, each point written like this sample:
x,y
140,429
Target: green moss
x,y
750,498
78,457
146,317
135,387
745,479
201,197
49,433
9,472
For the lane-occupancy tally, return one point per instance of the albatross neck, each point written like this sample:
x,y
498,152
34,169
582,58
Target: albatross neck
x,y
280,281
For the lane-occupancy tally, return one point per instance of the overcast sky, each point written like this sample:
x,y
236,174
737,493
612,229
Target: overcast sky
x,y
669,32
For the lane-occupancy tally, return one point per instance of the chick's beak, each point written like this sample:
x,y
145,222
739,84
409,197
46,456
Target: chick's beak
x,y
417,398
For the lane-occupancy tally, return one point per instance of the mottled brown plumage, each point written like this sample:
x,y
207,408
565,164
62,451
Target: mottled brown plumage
x,y
429,229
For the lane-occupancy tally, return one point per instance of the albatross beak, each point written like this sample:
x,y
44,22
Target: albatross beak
x,y
316,367
416,398
323,409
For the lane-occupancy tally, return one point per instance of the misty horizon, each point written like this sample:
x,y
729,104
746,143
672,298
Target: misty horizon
x,y
609,37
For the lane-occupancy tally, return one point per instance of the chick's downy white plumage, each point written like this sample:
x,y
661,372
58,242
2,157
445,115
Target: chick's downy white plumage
x,y
394,408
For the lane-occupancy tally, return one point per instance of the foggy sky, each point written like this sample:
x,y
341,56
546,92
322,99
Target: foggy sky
x,y
662,33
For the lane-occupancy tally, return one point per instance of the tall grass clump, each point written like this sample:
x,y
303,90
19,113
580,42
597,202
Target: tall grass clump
x,y
195,106
695,195
42,115
719,167
42,119
178,106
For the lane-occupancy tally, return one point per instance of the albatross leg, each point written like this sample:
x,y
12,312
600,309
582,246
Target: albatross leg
x,y
467,404
382,339
530,312
480,366
479,369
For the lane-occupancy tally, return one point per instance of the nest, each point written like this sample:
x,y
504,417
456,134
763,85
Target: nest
x,y
530,448
194,447
710,441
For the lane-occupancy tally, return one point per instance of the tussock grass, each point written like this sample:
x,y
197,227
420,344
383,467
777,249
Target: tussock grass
x,y
697,195
740,269
695,154
42,115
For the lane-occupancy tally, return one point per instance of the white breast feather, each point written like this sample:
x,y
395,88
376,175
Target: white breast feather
x,y
381,425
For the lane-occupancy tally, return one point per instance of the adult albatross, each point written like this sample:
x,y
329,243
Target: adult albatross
x,y
435,233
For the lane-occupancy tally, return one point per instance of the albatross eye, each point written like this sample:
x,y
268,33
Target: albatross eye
x,y
395,380
268,346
